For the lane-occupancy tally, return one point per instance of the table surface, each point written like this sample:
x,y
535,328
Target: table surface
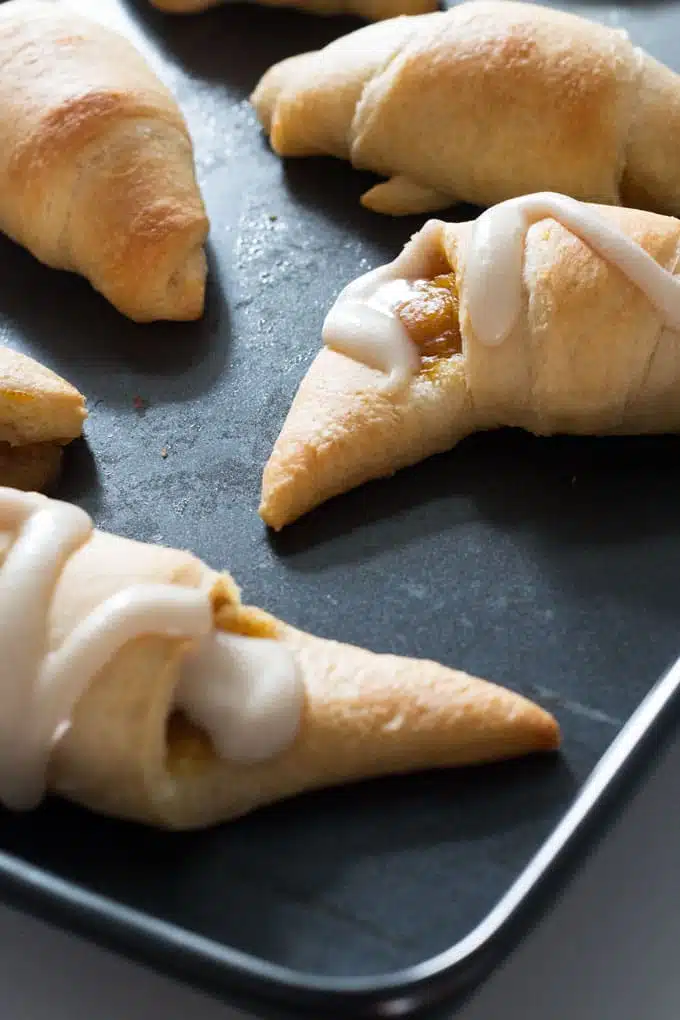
x,y
607,950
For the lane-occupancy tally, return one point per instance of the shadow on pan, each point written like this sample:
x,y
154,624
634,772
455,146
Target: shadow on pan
x,y
333,186
344,881
255,37
502,473
59,319
565,496
79,480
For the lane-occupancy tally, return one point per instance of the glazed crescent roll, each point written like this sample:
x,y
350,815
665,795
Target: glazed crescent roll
x,y
39,414
135,682
373,10
486,101
544,314
96,163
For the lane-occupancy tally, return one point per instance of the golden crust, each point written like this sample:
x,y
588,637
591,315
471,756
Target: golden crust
x,y
588,355
96,163
343,429
370,715
129,754
39,413
486,101
36,404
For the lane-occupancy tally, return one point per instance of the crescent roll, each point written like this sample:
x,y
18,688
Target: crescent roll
x,y
39,414
96,163
544,314
486,101
372,10
138,684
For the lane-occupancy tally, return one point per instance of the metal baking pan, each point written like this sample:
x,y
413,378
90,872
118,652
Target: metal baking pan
x,y
546,565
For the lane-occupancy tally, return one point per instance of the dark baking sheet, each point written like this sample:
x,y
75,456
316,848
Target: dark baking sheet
x,y
550,566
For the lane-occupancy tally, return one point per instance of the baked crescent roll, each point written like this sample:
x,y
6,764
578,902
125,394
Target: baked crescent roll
x,y
545,314
481,103
373,10
135,682
39,414
96,163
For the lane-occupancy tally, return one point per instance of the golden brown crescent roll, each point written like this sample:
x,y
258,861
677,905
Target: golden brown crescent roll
x,y
140,686
480,103
373,10
39,414
545,314
96,163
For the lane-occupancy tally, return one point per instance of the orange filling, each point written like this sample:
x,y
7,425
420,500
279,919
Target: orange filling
x,y
430,317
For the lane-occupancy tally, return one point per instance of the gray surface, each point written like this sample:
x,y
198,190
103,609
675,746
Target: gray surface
x,y
607,952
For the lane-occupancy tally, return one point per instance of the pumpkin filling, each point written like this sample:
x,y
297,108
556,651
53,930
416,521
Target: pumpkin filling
x,y
430,317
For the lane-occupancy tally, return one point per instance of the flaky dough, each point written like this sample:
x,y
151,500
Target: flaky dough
x,y
39,414
127,751
589,355
96,163
489,100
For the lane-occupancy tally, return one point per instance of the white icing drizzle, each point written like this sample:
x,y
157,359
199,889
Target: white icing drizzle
x,y
493,270
363,323
245,692
254,721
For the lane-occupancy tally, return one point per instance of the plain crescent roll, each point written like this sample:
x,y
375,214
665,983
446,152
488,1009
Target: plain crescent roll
x,y
138,684
96,163
488,100
373,10
39,414
544,314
